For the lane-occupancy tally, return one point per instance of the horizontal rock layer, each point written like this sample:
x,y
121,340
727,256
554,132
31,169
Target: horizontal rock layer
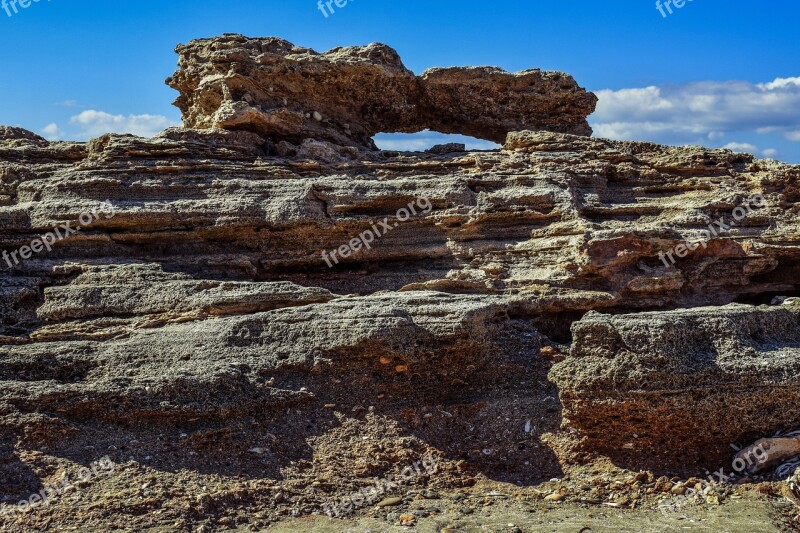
x,y
567,223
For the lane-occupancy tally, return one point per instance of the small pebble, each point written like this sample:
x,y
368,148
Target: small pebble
x,y
406,519
390,502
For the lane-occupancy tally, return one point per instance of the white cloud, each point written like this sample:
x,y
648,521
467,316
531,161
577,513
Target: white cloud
x,y
642,102
769,152
699,111
67,103
94,123
779,83
52,132
741,147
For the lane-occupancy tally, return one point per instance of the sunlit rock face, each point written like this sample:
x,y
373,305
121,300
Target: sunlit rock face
x,y
347,95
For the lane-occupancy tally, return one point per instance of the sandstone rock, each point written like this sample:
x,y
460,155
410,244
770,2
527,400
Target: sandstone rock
x,y
121,290
687,383
10,133
347,95
208,365
584,222
202,320
550,227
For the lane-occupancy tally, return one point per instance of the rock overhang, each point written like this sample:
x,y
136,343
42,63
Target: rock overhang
x,y
347,95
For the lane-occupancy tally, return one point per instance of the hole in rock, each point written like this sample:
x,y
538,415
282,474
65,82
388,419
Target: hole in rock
x,y
423,140
558,326
787,271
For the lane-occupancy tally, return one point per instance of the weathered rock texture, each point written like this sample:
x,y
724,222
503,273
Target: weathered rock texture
x,y
347,95
199,338
679,386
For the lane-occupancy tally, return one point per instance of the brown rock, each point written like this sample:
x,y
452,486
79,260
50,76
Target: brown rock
x,y
632,364
406,519
347,95
203,319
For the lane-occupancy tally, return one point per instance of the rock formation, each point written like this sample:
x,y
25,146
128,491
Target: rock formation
x,y
526,322
347,95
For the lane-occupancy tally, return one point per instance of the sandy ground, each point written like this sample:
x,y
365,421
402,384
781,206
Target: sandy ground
x,y
745,516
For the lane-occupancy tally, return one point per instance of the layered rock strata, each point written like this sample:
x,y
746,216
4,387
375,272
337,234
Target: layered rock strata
x,y
199,337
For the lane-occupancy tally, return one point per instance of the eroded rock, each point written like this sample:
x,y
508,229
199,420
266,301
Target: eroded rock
x,y
679,387
347,95
200,337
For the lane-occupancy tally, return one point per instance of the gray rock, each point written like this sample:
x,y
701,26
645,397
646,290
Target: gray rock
x,y
448,148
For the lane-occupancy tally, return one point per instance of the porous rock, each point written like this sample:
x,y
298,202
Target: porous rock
x,y
679,387
347,95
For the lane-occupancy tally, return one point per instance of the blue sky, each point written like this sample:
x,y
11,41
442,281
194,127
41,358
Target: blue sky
x,y
717,73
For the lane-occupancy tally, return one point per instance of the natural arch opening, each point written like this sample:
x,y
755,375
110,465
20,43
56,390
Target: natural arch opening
x,y
424,140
